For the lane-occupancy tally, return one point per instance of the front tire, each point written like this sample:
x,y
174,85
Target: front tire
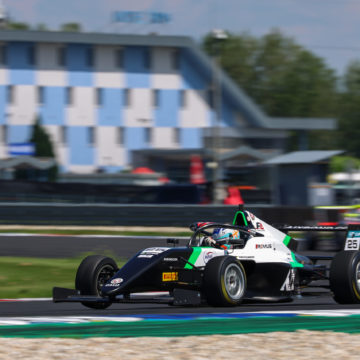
x,y
93,272
224,281
345,277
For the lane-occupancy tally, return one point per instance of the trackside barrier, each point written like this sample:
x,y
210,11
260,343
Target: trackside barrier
x,y
146,215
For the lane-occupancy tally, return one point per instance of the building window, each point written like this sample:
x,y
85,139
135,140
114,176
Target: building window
x,y
147,59
61,56
210,98
176,136
156,98
120,138
10,94
148,135
99,97
175,59
127,97
182,98
63,134
69,96
40,94
119,58
4,130
3,55
31,55
91,135
90,57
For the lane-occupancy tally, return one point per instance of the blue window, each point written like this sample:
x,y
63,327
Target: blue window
x,y
191,138
166,114
81,152
110,111
79,60
21,60
137,64
52,105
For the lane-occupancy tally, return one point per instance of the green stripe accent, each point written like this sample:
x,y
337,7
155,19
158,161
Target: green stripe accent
x,y
193,257
243,216
287,240
347,324
295,263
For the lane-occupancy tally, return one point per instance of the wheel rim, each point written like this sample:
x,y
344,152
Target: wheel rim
x,y
234,281
357,275
105,273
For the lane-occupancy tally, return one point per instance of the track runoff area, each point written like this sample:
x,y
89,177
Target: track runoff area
x,y
34,318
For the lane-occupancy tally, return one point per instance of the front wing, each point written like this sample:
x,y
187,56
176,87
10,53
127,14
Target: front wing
x,y
178,297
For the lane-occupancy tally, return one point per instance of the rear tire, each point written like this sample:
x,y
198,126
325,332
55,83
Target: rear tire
x,y
345,277
93,272
224,281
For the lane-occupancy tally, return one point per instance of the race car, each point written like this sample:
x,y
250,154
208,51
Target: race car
x,y
258,264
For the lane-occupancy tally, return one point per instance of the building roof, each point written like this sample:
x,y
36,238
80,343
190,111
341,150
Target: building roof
x,y
303,123
246,132
303,157
245,150
245,104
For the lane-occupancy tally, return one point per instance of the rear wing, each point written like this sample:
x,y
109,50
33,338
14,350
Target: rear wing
x,y
286,228
352,237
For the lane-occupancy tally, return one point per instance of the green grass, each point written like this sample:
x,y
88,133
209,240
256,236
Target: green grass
x,y
34,277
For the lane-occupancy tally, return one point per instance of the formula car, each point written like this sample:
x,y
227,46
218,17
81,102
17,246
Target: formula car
x,y
260,263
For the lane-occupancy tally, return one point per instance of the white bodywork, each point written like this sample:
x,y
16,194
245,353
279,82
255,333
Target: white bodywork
x,y
269,248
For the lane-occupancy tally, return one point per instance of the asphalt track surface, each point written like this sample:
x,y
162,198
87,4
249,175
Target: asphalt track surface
x,y
54,246
48,308
66,246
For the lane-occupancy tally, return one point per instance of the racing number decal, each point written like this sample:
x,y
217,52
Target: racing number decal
x,y
352,240
352,244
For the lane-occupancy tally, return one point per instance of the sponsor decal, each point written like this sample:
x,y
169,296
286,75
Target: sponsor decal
x,y
354,234
252,215
289,283
259,226
208,255
145,256
170,276
115,282
245,257
170,259
154,251
263,246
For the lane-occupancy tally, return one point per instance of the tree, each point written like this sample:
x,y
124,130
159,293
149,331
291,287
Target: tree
x,y
349,110
17,26
43,146
71,27
284,78
344,164
41,27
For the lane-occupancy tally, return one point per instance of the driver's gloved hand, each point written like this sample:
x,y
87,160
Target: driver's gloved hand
x,y
208,241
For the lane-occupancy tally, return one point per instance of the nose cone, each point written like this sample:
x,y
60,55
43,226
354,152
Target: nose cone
x,y
112,286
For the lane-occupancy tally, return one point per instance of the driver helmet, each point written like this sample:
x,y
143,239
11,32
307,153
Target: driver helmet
x,y
224,234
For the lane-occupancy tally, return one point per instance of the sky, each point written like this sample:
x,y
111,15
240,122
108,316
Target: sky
x,y
328,28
